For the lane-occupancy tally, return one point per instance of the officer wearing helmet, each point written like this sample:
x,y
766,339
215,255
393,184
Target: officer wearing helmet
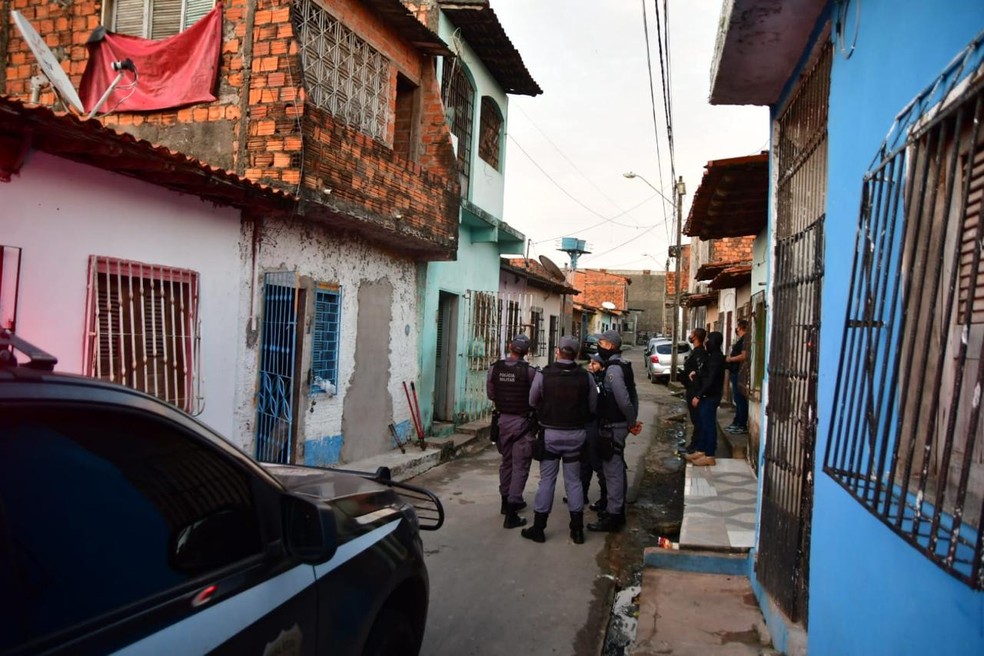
x,y
507,385
565,398
618,410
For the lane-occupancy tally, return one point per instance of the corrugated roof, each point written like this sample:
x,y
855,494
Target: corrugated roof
x,y
710,270
89,142
732,277
482,30
403,21
536,274
732,200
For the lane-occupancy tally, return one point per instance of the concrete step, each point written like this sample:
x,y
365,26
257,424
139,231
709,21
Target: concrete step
x,y
441,428
479,427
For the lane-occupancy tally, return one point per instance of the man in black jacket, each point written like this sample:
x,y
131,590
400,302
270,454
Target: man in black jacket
x,y
690,368
706,397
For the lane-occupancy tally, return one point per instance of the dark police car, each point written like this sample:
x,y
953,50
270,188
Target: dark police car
x,y
128,527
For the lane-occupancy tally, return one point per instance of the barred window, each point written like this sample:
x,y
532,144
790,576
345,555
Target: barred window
x,y
324,345
536,332
143,329
512,323
154,19
343,74
907,438
490,132
459,103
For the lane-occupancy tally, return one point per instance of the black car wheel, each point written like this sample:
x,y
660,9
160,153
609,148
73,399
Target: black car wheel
x,y
392,634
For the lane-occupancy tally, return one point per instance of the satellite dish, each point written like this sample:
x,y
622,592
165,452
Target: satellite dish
x,y
608,305
46,60
551,268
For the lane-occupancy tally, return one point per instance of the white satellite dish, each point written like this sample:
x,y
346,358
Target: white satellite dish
x,y
46,60
608,305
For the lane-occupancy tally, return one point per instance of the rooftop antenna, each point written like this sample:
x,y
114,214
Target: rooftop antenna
x,y
48,63
574,248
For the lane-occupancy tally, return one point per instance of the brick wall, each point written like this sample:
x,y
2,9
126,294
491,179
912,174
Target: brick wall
x,y
259,124
598,286
732,249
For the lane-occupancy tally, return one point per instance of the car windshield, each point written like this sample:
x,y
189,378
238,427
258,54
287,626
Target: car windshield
x,y
666,348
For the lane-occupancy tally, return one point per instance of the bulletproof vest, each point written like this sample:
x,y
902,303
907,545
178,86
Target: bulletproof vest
x,y
565,396
608,410
512,387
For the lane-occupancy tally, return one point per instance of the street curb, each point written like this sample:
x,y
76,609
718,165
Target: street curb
x,y
696,561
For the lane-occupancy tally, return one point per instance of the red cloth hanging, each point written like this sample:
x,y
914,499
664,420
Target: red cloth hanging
x,y
176,71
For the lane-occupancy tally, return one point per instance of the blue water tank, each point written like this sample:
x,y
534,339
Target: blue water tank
x,y
572,244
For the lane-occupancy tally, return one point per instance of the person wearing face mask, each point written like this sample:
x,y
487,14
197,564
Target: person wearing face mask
x,y
706,397
690,368
618,410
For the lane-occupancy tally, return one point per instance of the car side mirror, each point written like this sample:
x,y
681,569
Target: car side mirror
x,y
310,533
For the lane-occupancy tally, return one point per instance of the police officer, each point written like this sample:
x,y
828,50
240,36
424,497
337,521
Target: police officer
x,y
565,398
590,461
617,414
507,384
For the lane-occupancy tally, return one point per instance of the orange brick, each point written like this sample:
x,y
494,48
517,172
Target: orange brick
x,y
199,114
215,112
232,112
232,45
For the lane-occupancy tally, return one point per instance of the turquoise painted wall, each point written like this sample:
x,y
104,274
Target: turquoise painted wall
x,y
871,593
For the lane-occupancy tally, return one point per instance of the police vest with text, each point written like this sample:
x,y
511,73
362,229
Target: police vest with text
x,y
512,387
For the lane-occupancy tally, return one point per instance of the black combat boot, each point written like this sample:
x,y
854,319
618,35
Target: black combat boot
x,y
535,532
513,520
608,523
577,527
504,508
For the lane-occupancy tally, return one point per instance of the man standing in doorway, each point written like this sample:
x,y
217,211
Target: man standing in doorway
x,y
739,354
617,414
508,384
565,397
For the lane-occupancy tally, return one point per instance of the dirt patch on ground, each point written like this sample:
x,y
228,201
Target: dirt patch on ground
x,y
656,513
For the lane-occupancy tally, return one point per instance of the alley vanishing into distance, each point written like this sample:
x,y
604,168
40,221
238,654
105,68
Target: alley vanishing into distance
x,y
493,592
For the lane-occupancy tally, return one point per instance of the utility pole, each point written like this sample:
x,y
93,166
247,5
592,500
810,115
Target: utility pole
x,y
681,191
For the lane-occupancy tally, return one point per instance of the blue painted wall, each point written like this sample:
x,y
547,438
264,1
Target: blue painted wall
x,y
871,593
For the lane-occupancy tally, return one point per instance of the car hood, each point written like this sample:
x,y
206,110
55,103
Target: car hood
x,y
360,502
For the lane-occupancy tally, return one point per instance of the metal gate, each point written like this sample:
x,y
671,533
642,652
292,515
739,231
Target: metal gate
x,y
275,390
791,417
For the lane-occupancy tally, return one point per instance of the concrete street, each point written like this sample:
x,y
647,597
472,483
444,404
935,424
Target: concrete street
x,y
493,592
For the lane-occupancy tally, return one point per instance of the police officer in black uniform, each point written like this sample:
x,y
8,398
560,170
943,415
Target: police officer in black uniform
x,y
507,384
565,398
617,414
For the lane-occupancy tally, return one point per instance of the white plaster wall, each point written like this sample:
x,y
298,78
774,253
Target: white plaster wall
x,y
319,255
60,213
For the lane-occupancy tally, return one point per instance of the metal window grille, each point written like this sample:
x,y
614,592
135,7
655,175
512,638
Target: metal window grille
x,y
324,344
156,19
536,331
906,438
143,329
482,312
343,74
10,259
458,95
275,390
512,323
490,132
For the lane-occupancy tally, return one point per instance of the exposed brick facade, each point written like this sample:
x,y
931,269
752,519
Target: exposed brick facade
x,y
684,274
598,286
732,249
402,194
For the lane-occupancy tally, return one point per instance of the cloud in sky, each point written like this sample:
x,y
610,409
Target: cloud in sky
x,y
567,149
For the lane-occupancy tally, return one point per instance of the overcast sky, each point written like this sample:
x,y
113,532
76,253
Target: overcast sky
x,y
594,121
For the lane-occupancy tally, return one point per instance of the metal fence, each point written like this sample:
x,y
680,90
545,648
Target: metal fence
x,y
791,413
